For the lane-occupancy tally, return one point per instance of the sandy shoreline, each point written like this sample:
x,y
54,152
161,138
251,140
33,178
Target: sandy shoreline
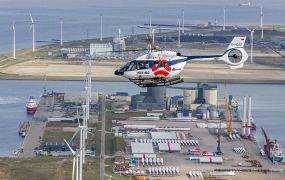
x,y
104,71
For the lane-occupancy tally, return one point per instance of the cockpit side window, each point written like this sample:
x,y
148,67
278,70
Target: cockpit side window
x,y
131,67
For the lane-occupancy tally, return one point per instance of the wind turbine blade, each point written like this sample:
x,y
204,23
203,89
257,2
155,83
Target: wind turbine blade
x,y
77,114
72,151
31,17
74,135
30,27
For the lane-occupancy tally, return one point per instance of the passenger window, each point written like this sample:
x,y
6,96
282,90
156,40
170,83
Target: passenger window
x,y
142,65
151,64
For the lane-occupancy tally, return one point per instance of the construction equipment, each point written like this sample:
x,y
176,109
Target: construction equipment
x,y
272,149
228,114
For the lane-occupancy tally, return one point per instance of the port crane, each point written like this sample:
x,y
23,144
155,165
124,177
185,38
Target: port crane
x,y
228,114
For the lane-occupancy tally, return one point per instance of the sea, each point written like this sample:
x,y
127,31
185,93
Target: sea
x,y
268,104
81,19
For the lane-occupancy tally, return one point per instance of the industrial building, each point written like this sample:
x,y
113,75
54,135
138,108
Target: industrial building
x,y
202,100
57,146
153,99
100,49
169,147
119,44
140,150
169,135
74,52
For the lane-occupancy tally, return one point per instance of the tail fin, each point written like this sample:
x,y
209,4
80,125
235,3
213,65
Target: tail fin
x,y
237,42
235,56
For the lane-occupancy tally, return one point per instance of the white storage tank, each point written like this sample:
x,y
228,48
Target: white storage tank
x,y
213,112
189,96
211,96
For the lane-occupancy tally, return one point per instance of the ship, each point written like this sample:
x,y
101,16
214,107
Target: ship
x,y
31,105
272,149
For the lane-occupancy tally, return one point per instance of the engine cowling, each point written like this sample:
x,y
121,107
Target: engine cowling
x,y
235,57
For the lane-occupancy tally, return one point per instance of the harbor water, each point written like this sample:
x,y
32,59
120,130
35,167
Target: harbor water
x,y
81,19
268,103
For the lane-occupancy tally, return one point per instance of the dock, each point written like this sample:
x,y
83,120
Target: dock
x,y
37,126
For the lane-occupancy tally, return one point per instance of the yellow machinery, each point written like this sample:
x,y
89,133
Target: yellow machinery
x,y
228,116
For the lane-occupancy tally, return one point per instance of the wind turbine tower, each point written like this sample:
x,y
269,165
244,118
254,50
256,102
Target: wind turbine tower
x,y
261,21
224,25
75,162
150,25
33,29
14,41
119,33
84,132
81,150
179,44
61,23
251,44
101,27
183,21
153,37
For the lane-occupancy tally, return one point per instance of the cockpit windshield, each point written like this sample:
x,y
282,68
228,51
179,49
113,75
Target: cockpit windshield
x,y
137,65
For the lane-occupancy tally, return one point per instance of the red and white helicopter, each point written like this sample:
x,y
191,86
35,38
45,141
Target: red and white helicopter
x,y
162,68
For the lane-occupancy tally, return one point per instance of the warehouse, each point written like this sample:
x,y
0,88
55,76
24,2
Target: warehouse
x,y
169,147
140,150
163,135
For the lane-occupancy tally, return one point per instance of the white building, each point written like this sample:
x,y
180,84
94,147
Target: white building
x,y
100,49
142,150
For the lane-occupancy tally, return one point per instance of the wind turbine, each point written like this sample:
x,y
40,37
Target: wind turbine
x,y
251,44
183,21
61,23
14,41
150,25
33,29
261,21
179,44
153,37
224,25
101,27
75,161
80,129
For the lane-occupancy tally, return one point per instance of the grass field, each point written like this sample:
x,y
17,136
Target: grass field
x,y
44,168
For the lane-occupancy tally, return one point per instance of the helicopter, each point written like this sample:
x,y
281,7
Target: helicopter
x,y
163,68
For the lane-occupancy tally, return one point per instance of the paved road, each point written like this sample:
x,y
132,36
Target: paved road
x,y
102,155
32,139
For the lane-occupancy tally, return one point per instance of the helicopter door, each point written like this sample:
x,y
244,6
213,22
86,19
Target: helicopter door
x,y
142,68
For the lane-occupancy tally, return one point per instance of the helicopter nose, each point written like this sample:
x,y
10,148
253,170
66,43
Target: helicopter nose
x,y
117,73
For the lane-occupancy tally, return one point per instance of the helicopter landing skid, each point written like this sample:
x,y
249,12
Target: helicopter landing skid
x,y
157,82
